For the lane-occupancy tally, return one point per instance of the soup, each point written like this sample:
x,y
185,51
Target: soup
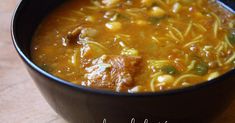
x,y
136,45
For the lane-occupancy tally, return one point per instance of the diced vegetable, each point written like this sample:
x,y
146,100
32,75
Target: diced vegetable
x,y
129,52
113,26
157,12
169,70
176,7
201,68
166,79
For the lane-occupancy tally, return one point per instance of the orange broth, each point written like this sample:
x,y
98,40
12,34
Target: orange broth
x,y
158,44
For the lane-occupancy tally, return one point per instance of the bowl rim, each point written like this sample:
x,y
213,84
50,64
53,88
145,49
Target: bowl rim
x,y
85,89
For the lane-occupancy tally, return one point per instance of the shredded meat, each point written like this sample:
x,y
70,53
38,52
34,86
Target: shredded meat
x,y
112,72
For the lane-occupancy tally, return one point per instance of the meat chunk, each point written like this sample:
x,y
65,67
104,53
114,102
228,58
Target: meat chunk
x,y
112,72
81,33
73,35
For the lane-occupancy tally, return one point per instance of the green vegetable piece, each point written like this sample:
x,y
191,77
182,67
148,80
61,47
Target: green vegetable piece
x,y
169,70
154,20
201,68
231,37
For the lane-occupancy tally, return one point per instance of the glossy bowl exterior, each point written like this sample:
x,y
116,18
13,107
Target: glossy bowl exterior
x,y
79,104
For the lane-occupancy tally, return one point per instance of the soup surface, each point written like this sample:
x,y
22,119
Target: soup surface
x,y
136,45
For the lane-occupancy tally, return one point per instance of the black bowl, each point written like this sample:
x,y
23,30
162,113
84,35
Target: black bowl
x,y
78,104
